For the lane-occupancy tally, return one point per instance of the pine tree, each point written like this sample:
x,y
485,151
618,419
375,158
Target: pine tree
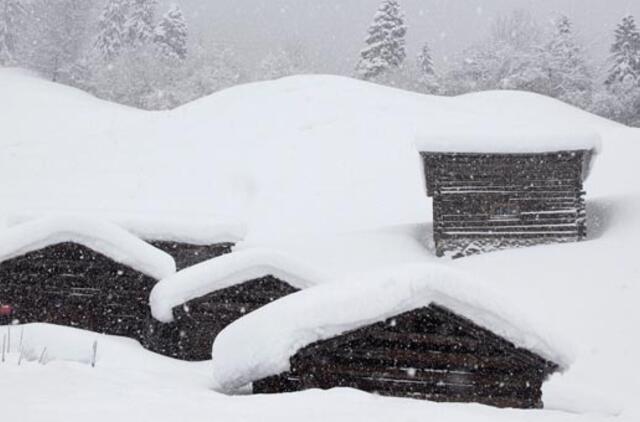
x,y
171,34
569,77
139,25
427,79
385,50
625,54
10,12
111,30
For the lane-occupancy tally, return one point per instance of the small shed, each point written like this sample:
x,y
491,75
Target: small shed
x,y
421,332
191,307
79,272
496,188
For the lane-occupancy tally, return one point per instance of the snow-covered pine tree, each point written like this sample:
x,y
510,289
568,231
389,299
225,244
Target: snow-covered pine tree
x,y
111,29
427,79
140,22
385,49
171,34
569,77
625,54
10,12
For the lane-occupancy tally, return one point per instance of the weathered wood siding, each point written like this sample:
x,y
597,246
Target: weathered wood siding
x,y
429,353
187,254
483,202
70,284
198,322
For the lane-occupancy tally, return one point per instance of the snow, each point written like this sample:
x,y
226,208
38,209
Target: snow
x,y
325,170
260,344
225,271
191,232
103,237
507,138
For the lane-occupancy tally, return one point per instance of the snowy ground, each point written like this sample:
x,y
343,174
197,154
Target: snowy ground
x,y
312,166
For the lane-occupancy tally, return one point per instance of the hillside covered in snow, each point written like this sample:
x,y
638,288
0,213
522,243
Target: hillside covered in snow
x,y
324,170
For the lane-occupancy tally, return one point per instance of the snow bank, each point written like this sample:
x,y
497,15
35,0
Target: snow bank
x,y
261,343
225,271
103,237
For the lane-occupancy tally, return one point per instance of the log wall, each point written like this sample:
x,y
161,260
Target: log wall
x,y
70,284
483,202
429,353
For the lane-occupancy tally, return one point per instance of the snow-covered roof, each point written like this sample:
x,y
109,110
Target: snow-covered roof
x,y
195,232
507,138
192,232
101,236
260,344
225,271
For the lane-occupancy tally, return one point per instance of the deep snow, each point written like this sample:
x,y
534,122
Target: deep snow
x,y
325,170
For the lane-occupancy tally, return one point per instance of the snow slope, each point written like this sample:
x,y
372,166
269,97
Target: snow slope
x,y
325,170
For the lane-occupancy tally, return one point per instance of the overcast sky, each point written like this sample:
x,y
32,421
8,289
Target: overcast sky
x,y
332,31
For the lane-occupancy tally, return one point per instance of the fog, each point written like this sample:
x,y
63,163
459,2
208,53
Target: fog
x,y
330,32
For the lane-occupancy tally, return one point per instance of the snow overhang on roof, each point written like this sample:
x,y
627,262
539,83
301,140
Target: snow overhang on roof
x,y
225,271
100,236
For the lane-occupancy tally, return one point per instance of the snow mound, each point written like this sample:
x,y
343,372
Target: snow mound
x,y
261,343
103,237
225,271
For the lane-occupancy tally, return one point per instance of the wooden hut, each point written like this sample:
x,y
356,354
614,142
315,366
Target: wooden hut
x,y
519,189
193,306
397,337
81,273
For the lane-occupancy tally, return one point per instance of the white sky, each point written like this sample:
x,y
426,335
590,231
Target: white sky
x,y
331,31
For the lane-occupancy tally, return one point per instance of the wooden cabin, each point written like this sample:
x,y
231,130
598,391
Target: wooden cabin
x,y
196,304
418,331
484,201
429,353
80,273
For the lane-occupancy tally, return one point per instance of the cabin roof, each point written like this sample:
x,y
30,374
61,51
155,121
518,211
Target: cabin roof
x,y
513,138
100,236
226,271
261,343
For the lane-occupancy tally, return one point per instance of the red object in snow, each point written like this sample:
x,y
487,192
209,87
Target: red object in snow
x,y
6,310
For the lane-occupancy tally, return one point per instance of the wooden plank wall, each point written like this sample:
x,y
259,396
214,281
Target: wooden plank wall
x,y
491,201
70,284
198,322
429,353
